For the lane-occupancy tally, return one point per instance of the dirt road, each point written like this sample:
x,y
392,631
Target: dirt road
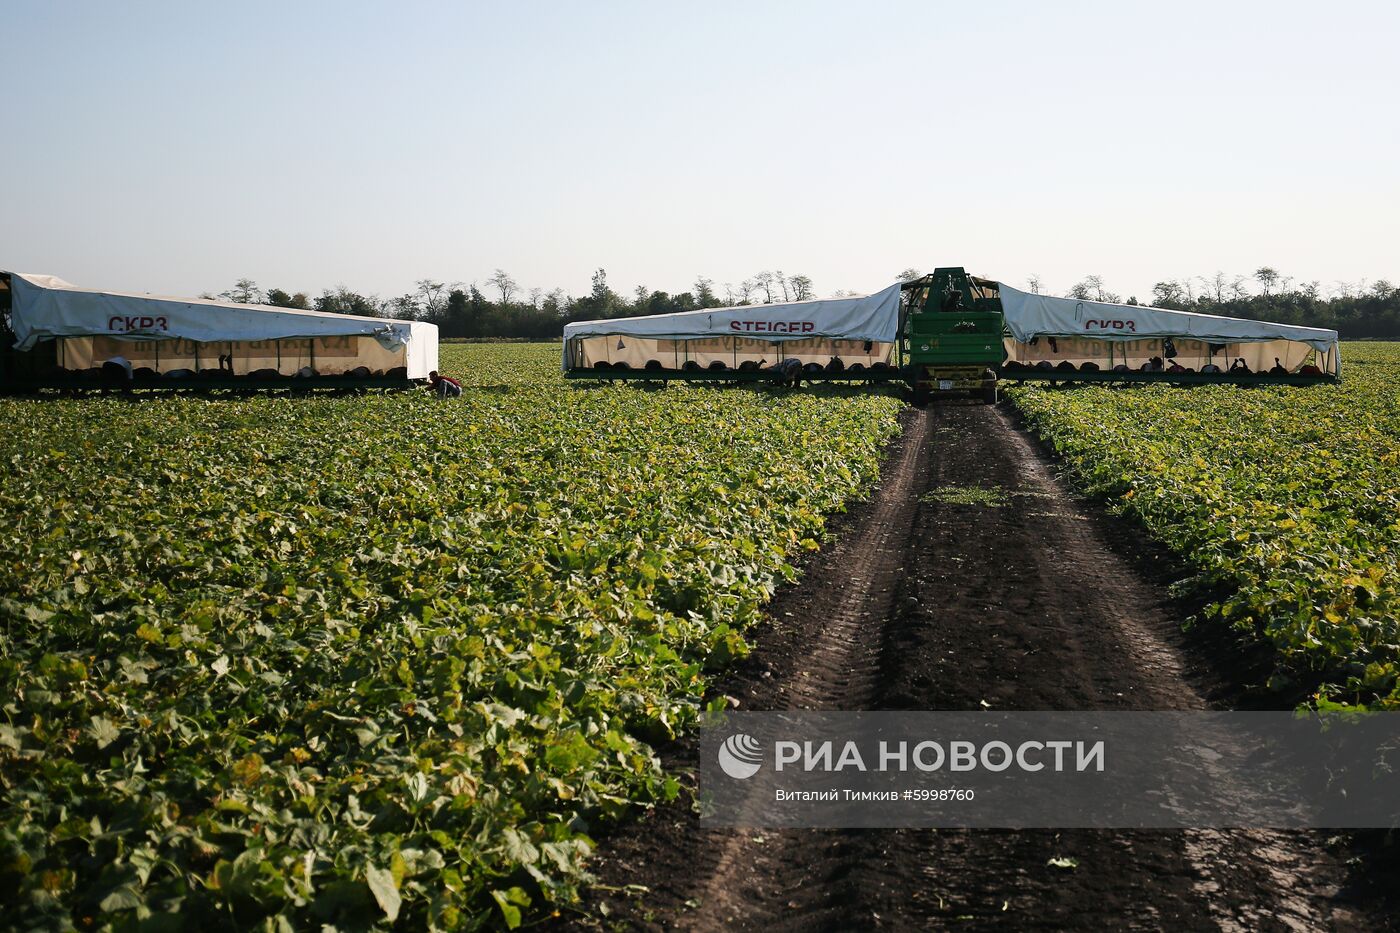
x,y
974,579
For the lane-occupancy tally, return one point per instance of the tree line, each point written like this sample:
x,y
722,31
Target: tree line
x,y
1355,310
500,307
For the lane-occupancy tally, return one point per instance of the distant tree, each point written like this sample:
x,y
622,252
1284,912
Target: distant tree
x,y
405,307
1215,286
600,291
244,292
342,300
1268,278
600,302
477,299
1382,289
909,274
1237,288
1034,283
536,298
1091,288
503,283
280,299
660,303
781,281
1169,294
801,287
457,315
746,290
556,303
432,298
705,293
763,281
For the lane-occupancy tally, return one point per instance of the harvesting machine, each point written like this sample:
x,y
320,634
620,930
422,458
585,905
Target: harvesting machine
x,y
54,335
951,338
949,332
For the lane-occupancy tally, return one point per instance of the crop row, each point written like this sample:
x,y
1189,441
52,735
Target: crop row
x,y
345,661
1284,501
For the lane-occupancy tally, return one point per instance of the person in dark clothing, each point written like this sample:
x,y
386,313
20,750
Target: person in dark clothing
x,y
444,386
789,372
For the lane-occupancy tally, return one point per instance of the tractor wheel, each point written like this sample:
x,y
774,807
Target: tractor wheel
x,y
989,393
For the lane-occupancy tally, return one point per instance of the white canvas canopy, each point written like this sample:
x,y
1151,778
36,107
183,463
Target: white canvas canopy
x,y
1132,336
1029,316
858,329
46,307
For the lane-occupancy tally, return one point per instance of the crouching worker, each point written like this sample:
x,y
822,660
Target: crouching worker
x,y
788,373
444,386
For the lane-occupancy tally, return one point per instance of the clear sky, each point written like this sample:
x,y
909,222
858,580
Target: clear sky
x,y
174,147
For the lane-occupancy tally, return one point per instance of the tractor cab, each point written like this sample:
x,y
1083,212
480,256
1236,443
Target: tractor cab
x,y
951,334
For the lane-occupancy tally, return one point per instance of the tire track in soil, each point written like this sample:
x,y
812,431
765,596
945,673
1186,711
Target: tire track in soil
x,y
839,671
1040,607
927,604
816,651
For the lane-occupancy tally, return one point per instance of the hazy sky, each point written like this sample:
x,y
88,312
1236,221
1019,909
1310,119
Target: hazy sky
x,y
174,147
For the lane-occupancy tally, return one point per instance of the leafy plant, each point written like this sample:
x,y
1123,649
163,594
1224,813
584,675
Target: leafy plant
x,y
1285,501
357,661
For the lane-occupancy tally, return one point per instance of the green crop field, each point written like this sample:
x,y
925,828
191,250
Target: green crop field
x,y
292,662
1286,502
286,662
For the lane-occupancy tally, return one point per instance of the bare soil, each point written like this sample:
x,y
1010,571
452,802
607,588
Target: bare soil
x,y
975,578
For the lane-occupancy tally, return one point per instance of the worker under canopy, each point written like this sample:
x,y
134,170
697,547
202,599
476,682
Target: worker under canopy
x,y
176,334
855,330
1045,328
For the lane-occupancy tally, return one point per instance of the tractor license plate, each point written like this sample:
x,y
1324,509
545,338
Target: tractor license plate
x,y
945,384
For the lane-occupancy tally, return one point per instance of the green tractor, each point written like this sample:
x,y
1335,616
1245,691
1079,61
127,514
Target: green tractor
x,y
951,337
